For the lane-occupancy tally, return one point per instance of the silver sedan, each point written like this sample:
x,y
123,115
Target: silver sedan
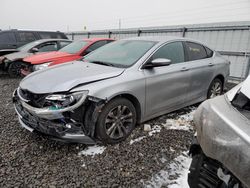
x,y
123,83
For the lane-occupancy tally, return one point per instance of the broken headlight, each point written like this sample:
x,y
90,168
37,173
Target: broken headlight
x,y
60,101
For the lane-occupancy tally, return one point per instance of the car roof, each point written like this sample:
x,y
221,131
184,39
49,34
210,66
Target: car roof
x,y
96,39
47,40
161,38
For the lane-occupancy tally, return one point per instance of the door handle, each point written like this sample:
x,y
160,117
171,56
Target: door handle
x,y
210,64
184,69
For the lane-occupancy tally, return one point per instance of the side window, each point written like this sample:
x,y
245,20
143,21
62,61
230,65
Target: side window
x,y
50,35
45,35
64,43
210,53
195,51
7,38
173,51
96,45
48,47
26,36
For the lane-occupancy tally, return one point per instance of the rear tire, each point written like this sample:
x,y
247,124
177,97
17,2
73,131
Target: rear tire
x,y
215,88
14,69
116,121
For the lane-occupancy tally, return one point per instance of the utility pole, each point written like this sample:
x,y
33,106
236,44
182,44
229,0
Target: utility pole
x,y
120,25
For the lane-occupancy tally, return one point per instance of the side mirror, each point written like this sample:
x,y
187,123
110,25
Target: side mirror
x,y
34,50
159,62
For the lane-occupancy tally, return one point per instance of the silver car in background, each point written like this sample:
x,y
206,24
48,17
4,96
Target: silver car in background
x,y
102,97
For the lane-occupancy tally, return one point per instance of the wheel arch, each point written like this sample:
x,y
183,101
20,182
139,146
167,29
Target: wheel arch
x,y
134,101
221,78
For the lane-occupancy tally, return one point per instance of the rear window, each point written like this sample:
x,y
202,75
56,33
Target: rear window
x,y
195,51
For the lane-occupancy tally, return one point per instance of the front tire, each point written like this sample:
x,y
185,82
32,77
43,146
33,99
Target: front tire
x,y
215,88
116,121
14,69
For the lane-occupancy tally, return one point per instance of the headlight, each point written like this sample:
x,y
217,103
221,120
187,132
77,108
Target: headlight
x,y
60,101
41,66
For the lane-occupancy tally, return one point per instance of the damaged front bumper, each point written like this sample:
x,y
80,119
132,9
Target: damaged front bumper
x,y
57,124
224,134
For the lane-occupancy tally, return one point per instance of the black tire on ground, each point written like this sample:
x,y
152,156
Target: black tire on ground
x,y
215,88
116,121
14,69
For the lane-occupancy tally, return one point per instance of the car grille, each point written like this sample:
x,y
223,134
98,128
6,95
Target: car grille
x,y
35,100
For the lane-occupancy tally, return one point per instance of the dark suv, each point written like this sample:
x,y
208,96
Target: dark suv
x,y
12,39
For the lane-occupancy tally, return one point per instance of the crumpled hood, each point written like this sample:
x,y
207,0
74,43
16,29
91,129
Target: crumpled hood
x,y
67,76
17,55
46,57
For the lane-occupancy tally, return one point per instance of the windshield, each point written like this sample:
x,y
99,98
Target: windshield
x,y
123,53
74,47
27,47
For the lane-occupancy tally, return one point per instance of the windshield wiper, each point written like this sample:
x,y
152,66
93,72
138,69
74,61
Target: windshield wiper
x,y
102,63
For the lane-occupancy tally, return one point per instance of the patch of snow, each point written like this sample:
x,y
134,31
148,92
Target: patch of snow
x,y
182,123
178,168
92,150
155,129
136,140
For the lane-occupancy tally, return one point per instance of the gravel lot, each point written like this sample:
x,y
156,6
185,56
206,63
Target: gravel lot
x,y
29,160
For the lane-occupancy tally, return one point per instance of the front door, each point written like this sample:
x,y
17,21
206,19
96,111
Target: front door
x,y
166,86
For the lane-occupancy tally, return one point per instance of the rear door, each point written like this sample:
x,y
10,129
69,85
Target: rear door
x,y
201,66
166,86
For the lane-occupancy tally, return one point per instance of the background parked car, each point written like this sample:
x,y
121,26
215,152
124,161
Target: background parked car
x,y
12,39
221,149
13,62
123,83
76,50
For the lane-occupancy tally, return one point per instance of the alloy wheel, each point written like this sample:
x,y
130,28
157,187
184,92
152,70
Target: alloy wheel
x,y
119,122
215,90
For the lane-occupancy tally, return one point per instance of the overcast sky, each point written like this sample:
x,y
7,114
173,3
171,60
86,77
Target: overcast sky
x,y
79,15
